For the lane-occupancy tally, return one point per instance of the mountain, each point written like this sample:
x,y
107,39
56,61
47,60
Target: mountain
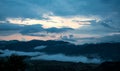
x,y
107,51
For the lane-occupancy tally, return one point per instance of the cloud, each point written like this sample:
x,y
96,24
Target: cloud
x,y
62,57
35,8
69,38
40,47
94,17
32,30
57,57
8,33
10,52
106,25
58,30
50,20
111,37
100,28
13,8
8,27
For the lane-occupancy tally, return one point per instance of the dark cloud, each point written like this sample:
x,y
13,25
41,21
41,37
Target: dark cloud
x,y
106,25
110,38
30,29
8,27
35,8
69,38
100,28
40,35
38,28
103,39
58,30
13,8
8,32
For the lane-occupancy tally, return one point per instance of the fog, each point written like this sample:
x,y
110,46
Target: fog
x,y
56,57
10,52
40,47
62,57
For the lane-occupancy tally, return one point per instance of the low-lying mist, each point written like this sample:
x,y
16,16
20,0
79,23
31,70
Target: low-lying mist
x,y
56,57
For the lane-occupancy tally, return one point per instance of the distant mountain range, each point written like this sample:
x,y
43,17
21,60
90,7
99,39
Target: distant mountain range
x,y
109,51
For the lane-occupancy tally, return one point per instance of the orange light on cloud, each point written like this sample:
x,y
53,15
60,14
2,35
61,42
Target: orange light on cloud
x,y
26,37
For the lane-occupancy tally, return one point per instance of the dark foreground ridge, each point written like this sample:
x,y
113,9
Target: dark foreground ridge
x,y
20,63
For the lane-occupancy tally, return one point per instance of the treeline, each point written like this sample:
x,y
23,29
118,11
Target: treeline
x,y
13,63
20,63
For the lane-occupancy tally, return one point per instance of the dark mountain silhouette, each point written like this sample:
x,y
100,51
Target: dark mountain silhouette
x,y
109,66
103,50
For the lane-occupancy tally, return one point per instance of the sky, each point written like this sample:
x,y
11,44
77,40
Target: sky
x,y
76,21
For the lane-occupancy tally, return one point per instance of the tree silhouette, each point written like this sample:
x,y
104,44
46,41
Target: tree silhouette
x,y
13,63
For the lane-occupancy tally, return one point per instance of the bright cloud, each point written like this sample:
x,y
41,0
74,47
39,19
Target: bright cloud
x,y
50,20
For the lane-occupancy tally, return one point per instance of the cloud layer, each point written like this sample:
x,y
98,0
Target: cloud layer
x,y
57,57
58,19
